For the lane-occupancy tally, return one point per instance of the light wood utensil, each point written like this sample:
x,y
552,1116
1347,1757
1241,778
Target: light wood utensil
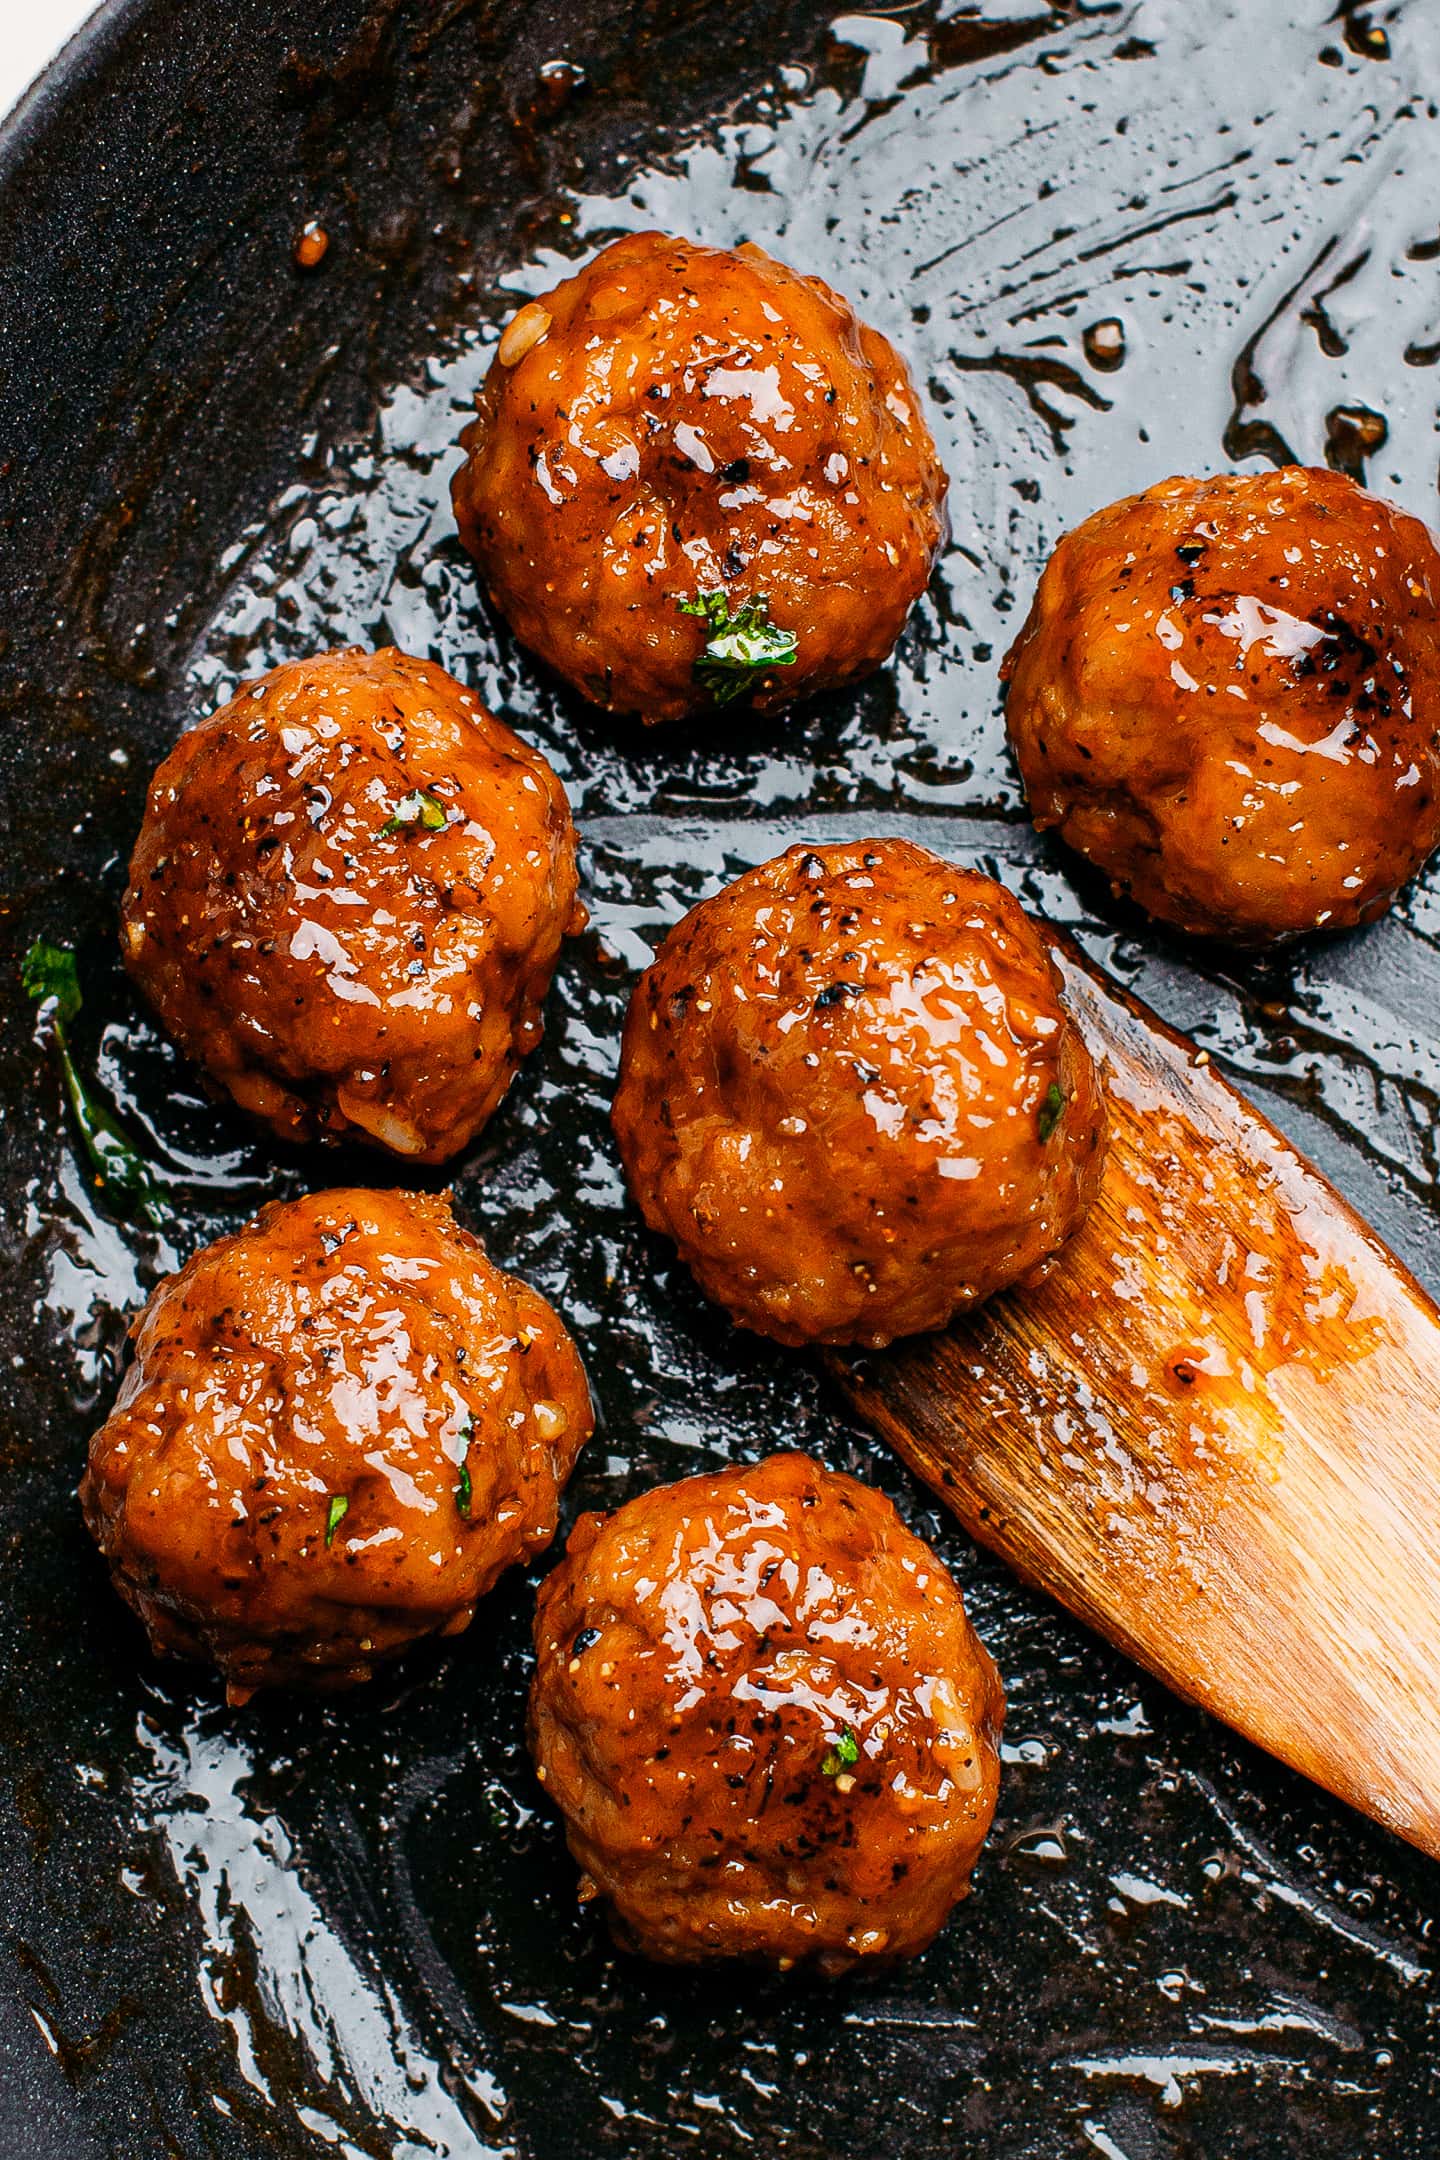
x,y
1214,1433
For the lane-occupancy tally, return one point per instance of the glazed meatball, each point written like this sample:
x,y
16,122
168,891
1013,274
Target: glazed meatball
x,y
1227,697
341,1425
850,1093
766,1720
681,428
347,900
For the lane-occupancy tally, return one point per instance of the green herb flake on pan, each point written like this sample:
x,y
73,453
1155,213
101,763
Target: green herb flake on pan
x,y
49,973
840,1754
464,1489
418,808
50,977
1051,1110
335,1514
740,647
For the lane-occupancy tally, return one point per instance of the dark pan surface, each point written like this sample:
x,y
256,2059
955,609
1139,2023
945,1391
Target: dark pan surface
x,y
351,1927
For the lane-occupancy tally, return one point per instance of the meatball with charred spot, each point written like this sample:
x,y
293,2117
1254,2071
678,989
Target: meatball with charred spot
x,y
696,475
347,900
1227,698
341,1426
766,1720
851,1094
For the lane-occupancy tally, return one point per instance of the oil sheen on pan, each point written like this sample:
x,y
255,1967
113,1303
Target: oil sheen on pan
x,y
1115,242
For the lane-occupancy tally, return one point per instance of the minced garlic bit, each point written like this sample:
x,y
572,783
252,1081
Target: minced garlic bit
x,y
550,1420
523,333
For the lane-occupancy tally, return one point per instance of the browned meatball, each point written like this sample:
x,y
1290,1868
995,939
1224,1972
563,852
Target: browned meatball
x,y
677,421
1227,697
342,1424
766,1720
850,1093
347,899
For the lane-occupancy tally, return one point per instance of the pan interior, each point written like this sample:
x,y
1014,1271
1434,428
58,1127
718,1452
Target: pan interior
x,y
351,1926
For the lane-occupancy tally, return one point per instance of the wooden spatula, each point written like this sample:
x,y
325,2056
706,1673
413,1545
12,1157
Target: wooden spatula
x,y
1214,1434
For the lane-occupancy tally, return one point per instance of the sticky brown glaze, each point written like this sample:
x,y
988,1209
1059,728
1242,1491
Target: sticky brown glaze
x,y
766,1720
850,1093
677,419
350,1347
333,962
1227,697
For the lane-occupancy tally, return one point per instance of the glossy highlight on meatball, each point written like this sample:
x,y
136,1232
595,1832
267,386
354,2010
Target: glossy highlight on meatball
x,y
766,1720
341,1426
851,1094
697,475
1227,698
347,900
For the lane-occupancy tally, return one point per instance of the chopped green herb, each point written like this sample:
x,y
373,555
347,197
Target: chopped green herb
x,y
48,971
463,1488
49,975
740,647
840,1754
335,1514
417,808
1051,1110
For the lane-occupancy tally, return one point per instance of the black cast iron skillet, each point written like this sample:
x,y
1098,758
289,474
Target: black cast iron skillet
x,y
350,1927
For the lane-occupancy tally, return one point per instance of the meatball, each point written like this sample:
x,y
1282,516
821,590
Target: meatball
x,y
766,1720
1227,698
850,1093
341,1425
347,900
696,475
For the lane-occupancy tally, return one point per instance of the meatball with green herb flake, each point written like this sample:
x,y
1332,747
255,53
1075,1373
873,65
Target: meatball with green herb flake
x,y
851,1093
341,1426
347,900
766,1720
697,477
